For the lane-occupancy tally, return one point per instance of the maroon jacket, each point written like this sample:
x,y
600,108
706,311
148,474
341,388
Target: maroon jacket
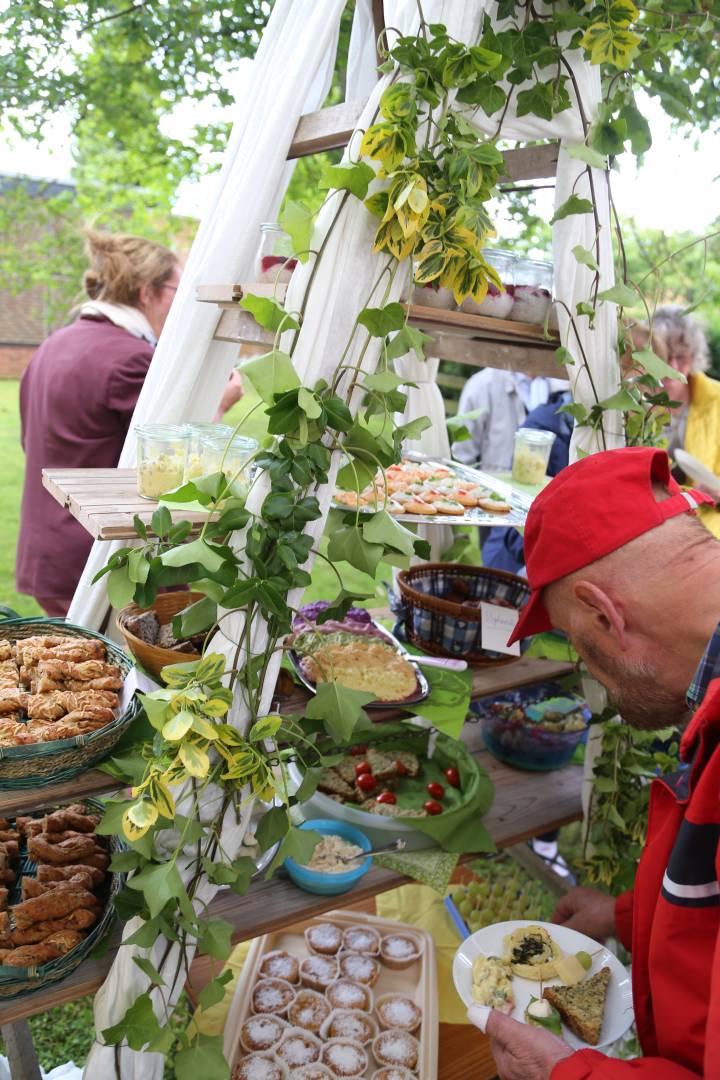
x,y
77,397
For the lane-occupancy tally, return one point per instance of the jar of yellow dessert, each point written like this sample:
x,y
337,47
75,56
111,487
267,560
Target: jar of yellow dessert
x,y
532,453
232,457
195,465
161,457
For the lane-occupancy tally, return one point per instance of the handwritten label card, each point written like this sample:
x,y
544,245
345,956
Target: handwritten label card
x,y
497,624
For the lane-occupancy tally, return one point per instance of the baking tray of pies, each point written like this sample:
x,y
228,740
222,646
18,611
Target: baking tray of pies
x,y
445,491
315,1020
382,670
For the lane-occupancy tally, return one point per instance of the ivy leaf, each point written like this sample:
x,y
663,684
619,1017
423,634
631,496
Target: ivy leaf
x,y
215,937
412,430
381,321
158,884
337,413
354,178
268,313
656,366
408,339
213,992
309,403
178,725
538,101
150,970
139,1025
564,356
623,295
585,257
355,476
264,728
161,521
638,129
297,844
271,827
348,545
382,528
484,92
340,606
270,374
308,787
120,588
339,708
588,154
196,618
298,222
383,381
195,760
622,401
574,205
578,412
458,549
361,443
197,551
203,1058
608,43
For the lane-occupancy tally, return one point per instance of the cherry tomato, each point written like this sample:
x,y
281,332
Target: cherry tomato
x,y
358,751
436,790
366,782
432,807
453,777
400,769
362,767
386,797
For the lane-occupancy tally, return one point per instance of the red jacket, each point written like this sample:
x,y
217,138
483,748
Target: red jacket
x,y
671,920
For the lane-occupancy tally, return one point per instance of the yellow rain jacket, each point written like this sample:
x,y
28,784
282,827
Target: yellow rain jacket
x,y
702,436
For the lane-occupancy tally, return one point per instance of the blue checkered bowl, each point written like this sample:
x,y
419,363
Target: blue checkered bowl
x,y
442,608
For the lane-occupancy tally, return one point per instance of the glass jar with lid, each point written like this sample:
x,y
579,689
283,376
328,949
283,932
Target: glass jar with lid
x,y
161,457
532,453
498,303
274,263
434,296
532,291
232,457
195,465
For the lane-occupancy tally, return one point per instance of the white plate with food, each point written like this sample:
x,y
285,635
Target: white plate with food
x,y
428,490
594,994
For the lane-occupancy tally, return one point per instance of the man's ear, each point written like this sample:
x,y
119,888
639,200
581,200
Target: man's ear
x,y
596,607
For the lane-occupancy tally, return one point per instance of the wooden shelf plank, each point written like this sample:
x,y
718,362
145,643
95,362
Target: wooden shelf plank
x,y
90,783
525,805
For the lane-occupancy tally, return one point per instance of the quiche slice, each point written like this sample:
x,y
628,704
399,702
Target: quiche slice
x,y
582,1006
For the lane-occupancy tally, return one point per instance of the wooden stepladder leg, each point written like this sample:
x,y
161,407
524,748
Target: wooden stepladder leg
x,y
20,1050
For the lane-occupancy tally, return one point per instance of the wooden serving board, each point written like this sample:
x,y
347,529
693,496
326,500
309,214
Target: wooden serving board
x,y
418,982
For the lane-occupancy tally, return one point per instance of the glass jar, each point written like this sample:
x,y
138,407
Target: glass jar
x,y
434,296
195,465
161,457
532,453
499,302
532,291
218,452
274,263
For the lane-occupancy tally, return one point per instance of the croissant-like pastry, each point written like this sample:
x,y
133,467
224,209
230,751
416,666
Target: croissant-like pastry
x,y
12,701
7,650
75,849
33,955
59,702
53,905
82,672
48,873
32,887
80,919
62,820
9,675
74,650
45,683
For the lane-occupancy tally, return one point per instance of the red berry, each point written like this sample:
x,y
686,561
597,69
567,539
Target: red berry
x,y
366,782
436,790
453,777
362,767
400,769
432,807
386,797
358,751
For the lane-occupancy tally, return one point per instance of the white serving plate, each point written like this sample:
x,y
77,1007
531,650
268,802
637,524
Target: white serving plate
x,y
489,941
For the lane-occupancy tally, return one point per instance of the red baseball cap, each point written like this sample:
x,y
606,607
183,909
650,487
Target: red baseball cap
x,y
591,508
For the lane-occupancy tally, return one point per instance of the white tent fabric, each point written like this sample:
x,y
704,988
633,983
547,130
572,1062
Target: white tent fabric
x,y
299,42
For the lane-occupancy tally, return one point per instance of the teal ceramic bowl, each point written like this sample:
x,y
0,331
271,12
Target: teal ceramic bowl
x,y
330,884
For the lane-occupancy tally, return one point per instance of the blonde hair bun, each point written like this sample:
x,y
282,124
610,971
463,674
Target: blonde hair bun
x,y
121,264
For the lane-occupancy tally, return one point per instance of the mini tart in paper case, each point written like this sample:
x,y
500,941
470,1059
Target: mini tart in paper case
x,y
395,1047
261,1033
359,969
324,938
346,994
298,1047
349,1024
316,1071
361,939
280,965
392,1072
318,972
260,1067
398,1011
309,1010
272,996
400,950
346,1058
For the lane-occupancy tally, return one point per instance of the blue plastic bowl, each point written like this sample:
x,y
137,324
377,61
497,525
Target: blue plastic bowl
x,y
330,884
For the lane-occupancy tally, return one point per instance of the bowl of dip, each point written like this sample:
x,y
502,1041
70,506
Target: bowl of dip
x,y
325,874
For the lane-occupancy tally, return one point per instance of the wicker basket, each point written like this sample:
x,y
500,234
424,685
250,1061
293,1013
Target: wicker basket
x,y
153,658
36,764
450,628
17,982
